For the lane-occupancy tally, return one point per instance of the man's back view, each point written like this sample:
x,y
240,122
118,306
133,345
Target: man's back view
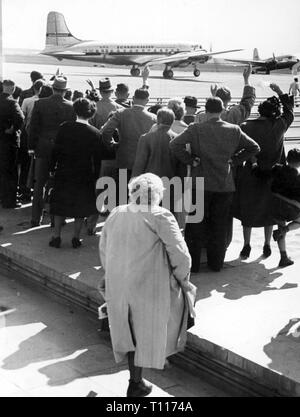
x,y
215,146
131,124
48,114
153,151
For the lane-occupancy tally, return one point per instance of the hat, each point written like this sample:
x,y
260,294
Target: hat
x,y
190,101
60,83
105,85
223,93
141,94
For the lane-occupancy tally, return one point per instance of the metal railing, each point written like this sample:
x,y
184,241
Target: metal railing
x,y
202,101
293,133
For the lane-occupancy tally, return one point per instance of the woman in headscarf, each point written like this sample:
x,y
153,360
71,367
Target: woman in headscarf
x,y
147,288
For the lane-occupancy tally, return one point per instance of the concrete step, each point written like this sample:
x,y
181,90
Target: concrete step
x,y
201,356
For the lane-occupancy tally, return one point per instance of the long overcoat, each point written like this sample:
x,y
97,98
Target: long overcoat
x,y
146,263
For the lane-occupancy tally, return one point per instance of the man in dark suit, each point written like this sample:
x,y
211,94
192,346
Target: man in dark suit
x,y
48,114
11,121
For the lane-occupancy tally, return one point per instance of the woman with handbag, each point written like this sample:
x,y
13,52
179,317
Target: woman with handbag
x,y
146,285
253,195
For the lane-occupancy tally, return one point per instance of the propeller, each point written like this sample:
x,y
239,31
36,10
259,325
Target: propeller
x,y
273,62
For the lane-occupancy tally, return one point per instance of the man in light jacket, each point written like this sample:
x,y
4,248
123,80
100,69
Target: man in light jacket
x,y
131,124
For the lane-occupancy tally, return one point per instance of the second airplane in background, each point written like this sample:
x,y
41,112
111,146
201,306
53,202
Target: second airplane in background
x,y
61,44
270,64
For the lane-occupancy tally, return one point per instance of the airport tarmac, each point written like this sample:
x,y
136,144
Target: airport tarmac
x,y
184,83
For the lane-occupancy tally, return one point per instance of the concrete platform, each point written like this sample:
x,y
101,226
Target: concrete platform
x,y
248,316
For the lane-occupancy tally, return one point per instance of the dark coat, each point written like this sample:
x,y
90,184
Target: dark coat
x,y
73,159
47,116
10,115
253,198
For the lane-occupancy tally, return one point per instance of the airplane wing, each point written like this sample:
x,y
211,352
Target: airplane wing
x,y
246,61
192,56
63,53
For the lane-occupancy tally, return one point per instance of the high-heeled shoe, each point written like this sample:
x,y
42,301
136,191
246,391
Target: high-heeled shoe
x,y
267,251
245,252
76,243
55,242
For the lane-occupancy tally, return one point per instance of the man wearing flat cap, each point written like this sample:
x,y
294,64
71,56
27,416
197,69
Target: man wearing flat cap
x,y
48,114
131,123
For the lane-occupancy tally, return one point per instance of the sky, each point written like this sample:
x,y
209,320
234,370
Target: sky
x,y
269,25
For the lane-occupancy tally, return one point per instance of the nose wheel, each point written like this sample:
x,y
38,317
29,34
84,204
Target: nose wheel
x,y
168,73
196,72
135,72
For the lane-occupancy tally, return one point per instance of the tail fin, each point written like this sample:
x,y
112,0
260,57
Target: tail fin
x,y
256,55
58,34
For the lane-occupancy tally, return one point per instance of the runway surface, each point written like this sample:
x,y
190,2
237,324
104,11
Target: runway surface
x,y
184,83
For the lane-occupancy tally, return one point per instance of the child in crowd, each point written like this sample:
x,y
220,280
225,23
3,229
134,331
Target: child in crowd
x,y
286,205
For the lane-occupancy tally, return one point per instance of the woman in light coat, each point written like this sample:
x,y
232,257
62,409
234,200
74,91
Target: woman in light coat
x,y
147,288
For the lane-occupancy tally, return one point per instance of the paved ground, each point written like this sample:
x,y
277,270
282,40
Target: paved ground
x,y
183,84
48,348
251,308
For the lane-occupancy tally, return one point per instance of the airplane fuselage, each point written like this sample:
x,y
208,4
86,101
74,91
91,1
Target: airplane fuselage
x,y
118,54
279,64
61,44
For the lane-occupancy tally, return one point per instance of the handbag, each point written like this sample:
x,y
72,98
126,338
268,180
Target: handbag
x,y
190,299
106,153
103,317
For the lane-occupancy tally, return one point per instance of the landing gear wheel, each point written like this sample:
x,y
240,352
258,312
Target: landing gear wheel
x,y
196,72
267,72
135,72
168,74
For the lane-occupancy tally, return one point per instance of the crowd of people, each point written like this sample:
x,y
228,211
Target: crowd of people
x,y
55,144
